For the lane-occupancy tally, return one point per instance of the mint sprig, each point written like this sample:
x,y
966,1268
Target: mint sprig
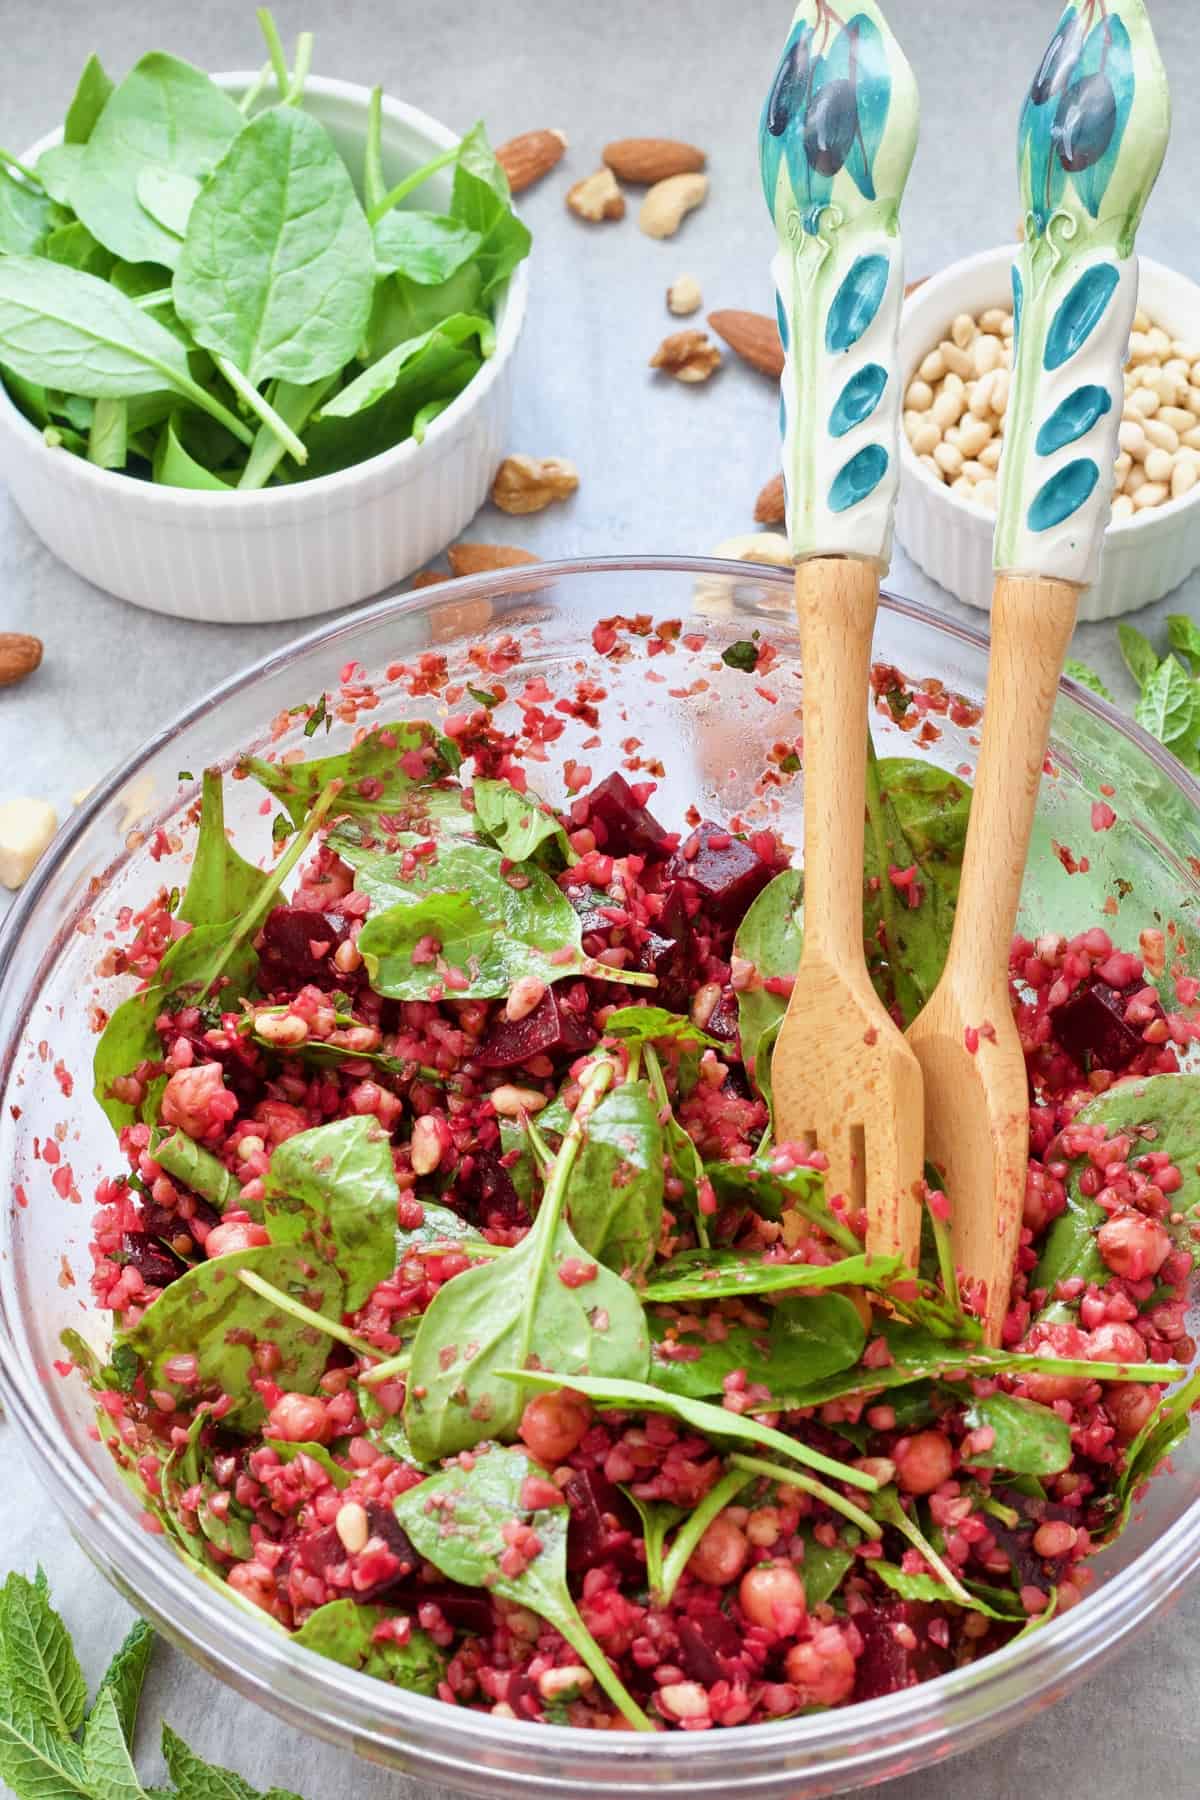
x,y
1169,707
53,1747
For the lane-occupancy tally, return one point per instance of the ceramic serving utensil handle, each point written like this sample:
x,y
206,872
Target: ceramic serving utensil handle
x,y
1092,137
838,135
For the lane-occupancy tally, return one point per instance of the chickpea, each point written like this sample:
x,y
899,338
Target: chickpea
x,y
720,1556
298,1419
1129,1406
772,1596
552,1425
923,1462
1133,1246
236,1235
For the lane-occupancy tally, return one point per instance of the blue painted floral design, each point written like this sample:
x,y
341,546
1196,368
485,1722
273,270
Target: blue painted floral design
x,y
827,111
1063,494
1074,418
1075,115
856,303
858,399
1080,313
860,477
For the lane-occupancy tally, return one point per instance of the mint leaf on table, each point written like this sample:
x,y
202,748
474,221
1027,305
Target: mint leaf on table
x,y
1086,677
197,1780
41,1670
1168,706
107,1763
126,1672
1184,634
1141,658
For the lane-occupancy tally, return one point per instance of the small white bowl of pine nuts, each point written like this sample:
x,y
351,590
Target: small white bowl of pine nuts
x,y
956,354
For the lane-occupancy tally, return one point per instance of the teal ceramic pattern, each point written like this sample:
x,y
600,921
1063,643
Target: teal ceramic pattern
x,y
838,134
1093,134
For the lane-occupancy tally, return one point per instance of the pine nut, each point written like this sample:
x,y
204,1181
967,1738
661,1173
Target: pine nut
x,y
963,331
1145,400
1163,437
988,355
1122,507
957,361
926,441
1132,439
1160,466
1184,479
933,368
919,397
995,321
352,1526
1179,418
990,458
1151,493
510,1102
947,410
949,460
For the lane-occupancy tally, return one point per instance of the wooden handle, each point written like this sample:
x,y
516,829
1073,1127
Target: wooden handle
x,y
1032,622
836,603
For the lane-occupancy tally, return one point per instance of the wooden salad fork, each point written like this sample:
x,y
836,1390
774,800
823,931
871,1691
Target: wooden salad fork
x,y
1093,134
837,140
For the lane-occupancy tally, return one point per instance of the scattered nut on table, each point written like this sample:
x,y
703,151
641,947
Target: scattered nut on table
x,y
669,202
526,484
597,197
956,411
26,827
771,508
527,158
645,161
756,546
20,655
688,355
684,296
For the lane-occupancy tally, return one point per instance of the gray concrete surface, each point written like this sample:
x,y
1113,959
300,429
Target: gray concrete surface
x,y
664,468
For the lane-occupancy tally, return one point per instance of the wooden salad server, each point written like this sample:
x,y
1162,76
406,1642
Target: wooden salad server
x,y
1093,133
838,134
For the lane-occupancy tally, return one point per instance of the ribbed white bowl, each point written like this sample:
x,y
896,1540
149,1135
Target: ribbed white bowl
x,y
1144,557
287,552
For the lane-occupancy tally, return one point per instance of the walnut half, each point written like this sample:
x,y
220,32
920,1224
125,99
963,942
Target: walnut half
x,y
526,484
688,355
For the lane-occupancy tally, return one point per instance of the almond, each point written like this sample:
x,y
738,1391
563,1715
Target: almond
x,y
20,655
597,197
429,578
752,336
769,507
643,161
478,559
527,158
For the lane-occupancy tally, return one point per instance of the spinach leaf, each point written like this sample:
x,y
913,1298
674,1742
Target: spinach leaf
x,y
343,1630
405,309
442,1228
658,1518
386,1430
615,1199
380,379
75,246
384,775
770,937
185,1472
651,1024
913,940
519,825
678,1145
107,442
1159,1438
166,115
130,1038
188,1162
1141,658
888,1509
169,198
439,372
934,809
64,329
333,1190
174,466
91,96
1030,1439
276,272
1160,1113
288,1452
711,1421
222,884
426,247
457,1521
210,1314
770,1193
294,402
529,1303
57,168
724,1274
719,1496
823,1570
481,201
496,925
805,1341
27,216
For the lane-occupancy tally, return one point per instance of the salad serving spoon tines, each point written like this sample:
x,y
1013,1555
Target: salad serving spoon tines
x,y
1093,133
838,134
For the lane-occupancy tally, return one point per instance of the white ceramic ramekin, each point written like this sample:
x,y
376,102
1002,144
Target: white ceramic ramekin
x,y
287,552
951,539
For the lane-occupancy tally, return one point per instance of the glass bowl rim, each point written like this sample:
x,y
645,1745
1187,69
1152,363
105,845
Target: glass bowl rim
x,y
337,1700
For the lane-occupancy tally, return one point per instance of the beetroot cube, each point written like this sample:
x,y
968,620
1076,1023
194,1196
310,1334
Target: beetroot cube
x,y
486,1191
622,827
157,1265
885,1666
1091,1027
711,1649
723,1021
600,1523
666,952
723,870
551,1028
287,959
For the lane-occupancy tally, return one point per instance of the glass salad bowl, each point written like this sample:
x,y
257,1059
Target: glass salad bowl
x,y
717,731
